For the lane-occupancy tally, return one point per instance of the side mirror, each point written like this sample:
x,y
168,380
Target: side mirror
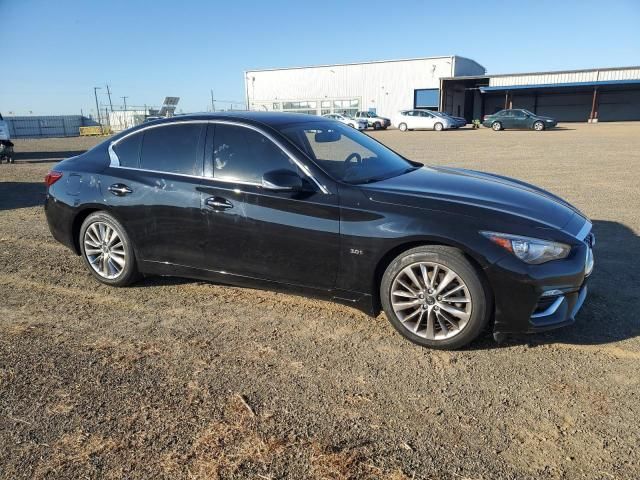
x,y
282,181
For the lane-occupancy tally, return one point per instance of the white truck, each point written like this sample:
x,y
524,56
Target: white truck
x,y
373,120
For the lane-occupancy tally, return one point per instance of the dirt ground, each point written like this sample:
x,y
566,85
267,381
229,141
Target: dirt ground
x,y
182,379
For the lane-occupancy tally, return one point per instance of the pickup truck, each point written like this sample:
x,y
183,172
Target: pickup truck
x,y
373,120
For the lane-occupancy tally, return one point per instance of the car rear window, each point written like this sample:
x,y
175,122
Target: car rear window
x,y
128,150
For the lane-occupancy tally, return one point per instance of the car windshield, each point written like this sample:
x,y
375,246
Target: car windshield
x,y
528,112
346,154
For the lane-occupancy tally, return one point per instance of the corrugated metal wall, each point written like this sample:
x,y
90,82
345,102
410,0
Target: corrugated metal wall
x,y
47,126
602,75
386,86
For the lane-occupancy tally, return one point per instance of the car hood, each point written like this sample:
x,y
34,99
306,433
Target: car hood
x,y
455,189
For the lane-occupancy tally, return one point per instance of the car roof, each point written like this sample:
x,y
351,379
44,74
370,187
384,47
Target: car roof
x,y
266,118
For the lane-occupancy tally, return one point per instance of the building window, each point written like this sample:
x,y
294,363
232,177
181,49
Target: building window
x,y
426,98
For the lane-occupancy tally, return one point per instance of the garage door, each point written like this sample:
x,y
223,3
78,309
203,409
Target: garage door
x,y
565,107
619,105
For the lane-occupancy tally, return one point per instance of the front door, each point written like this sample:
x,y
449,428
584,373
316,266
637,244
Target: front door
x,y
289,237
520,119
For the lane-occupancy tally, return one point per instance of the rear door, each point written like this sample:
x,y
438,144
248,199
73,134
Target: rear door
x,y
288,237
507,120
155,191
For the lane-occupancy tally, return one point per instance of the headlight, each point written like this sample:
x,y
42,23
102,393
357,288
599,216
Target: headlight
x,y
530,250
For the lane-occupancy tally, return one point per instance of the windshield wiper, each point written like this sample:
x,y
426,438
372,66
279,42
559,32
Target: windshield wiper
x,y
384,177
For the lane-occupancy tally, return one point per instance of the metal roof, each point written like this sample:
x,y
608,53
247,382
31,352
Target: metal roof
x,y
559,85
360,63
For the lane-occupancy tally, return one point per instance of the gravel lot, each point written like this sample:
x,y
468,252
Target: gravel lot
x,y
182,379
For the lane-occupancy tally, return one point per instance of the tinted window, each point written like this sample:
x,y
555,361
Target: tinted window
x,y
128,150
345,153
518,114
244,155
172,149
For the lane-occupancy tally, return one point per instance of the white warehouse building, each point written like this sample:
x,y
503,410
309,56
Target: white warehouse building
x,y
384,87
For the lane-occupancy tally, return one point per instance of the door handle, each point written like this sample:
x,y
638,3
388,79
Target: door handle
x,y
218,203
120,189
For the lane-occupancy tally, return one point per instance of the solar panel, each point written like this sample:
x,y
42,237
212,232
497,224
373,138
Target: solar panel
x,y
169,106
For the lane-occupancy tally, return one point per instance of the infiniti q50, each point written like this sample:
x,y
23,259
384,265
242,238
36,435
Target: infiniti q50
x,y
303,203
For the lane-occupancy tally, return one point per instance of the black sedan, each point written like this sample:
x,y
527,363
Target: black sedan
x,y
518,118
305,204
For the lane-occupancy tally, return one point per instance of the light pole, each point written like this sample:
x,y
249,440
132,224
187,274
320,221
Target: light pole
x,y
109,94
95,94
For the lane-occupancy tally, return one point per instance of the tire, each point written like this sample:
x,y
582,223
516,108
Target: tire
x,y
403,127
538,126
376,125
496,126
425,327
94,232
438,127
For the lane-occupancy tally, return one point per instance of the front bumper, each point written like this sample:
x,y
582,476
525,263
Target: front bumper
x,y
521,305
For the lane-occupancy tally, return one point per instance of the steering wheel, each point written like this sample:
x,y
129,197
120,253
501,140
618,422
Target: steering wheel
x,y
353,156
352,164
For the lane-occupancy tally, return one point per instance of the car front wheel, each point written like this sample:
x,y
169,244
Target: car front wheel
x,y
435,297
107,250
538,126
438,127
497,126
403,127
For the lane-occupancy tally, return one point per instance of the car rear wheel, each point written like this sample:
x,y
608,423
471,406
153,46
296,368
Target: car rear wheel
x,y
496,126
538,126
434,297
107,250
438,127
403,127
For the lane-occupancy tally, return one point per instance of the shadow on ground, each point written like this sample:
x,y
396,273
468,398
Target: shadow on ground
x,y
21,195
47,156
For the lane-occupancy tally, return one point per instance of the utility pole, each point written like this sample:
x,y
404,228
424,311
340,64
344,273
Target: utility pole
x,y
213,105
124,99
95,94
109,94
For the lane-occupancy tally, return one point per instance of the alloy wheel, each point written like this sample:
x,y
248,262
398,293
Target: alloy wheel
x,y
496,126
104,250
431,300
538,126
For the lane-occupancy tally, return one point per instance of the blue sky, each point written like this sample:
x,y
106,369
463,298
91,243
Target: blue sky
x,y
55,52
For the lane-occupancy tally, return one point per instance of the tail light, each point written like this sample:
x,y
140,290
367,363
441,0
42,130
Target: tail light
x,y
52,177
484,118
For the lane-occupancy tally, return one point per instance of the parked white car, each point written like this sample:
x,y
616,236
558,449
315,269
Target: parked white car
x,y
352,122
421,119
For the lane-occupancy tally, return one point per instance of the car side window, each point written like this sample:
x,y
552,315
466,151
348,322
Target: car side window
x,y
172,148
244,155
518,114
128,150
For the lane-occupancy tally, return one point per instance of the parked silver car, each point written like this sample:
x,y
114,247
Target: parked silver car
x,y
421,119
352,122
